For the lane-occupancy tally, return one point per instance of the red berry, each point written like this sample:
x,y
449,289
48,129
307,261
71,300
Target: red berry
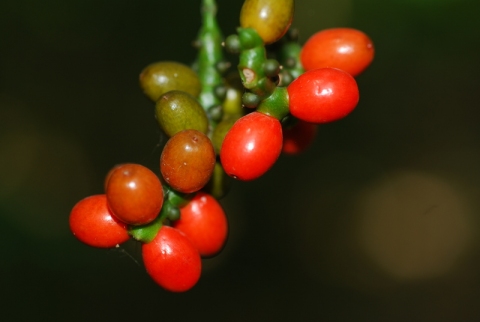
x,y
172,261
348,49
187,161
298,138
134,193
204,222
252,146
109,174
93,223
323,95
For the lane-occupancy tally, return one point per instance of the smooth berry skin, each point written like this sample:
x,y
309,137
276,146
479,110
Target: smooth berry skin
x,y
344,48
109,174
299,137
204,222
323,95
134,193
177,111
161,77
172,260
270,18
187,161
252,146
92,223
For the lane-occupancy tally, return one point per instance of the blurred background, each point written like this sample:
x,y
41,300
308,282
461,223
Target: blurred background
x,y
377,221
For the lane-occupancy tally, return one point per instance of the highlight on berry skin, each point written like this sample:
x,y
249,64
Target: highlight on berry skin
x,y
347,49
225,118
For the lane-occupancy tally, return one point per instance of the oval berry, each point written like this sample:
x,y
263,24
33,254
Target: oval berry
x,y
172,261
109,174
134,194
204,222
323,95
344,48
270,18
176,111
252,146
93,223
161,77
187,161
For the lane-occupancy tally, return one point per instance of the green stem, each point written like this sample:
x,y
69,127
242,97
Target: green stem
x,y
276,105
178,199
210,56
252,62
172,201
146,233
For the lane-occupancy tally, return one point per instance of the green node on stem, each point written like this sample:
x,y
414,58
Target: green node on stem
x,y
249,38
289,58
254,67
271,67
250,100
215,113
232,44
210,61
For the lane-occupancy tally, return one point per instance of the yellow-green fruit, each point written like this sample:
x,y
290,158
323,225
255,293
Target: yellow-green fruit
x,y
270,18
158,78
233,102
221,130
219,183
177,111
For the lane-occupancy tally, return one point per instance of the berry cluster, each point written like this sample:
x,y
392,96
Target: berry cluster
x,y
222,125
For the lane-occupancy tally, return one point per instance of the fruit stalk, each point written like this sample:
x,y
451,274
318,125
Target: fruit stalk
x,y
210,58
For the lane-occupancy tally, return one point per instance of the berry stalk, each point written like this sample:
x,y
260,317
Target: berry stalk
x,y
210,60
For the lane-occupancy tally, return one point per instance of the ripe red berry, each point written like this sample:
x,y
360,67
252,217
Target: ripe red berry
x,y
345,48
323,95
93,223
204,222
134,193
252,146
172,261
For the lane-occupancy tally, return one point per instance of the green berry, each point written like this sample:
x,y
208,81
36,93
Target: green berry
x,y
270,18
158,78
176,111
221,130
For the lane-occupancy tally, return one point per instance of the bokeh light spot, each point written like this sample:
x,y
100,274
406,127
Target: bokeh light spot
x,y
414,225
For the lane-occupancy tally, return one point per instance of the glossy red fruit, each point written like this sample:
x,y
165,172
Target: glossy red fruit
x,y
345,48
109,174
134,193
204,222
187,161
299,137
93,223
172,260
252,146
323,95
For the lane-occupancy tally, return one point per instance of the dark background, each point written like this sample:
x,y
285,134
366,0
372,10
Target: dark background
x,y
378,221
